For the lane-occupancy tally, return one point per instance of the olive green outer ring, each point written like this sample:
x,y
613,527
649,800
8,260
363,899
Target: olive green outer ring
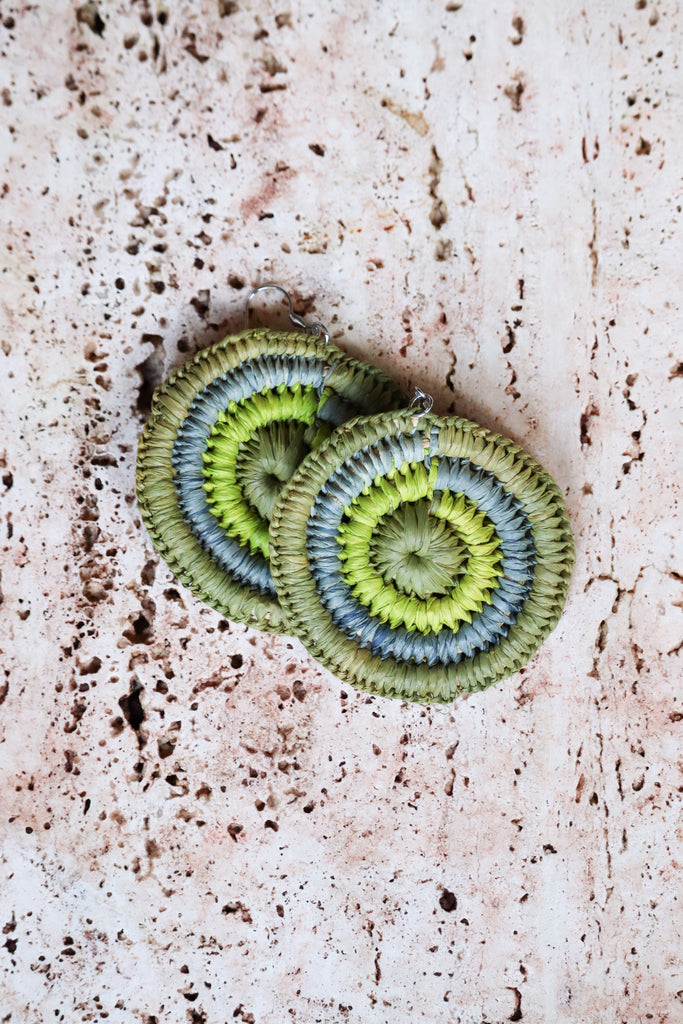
x,y
157,499
519,473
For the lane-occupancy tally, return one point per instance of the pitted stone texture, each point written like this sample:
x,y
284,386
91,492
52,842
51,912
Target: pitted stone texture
x,y
197,823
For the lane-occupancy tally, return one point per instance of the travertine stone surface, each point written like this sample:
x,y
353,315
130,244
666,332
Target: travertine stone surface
x,y
197,823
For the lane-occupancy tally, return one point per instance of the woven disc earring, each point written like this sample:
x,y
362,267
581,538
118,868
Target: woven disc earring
x,y
421,557
226,431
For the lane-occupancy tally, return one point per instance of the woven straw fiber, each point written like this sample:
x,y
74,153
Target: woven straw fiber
x,y
421,558
225,431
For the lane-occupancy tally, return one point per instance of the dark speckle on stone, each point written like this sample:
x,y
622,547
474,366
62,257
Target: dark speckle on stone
x,y
133,710
447,901
517,1012
88,14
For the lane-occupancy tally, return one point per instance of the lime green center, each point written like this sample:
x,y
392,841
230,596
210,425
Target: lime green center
x,y
418,558
253,448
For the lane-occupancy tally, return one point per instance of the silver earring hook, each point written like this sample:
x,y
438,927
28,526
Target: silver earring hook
x,y
317,329
422,401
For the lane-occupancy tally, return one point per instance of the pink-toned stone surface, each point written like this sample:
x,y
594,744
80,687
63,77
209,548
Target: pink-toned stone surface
x,y
483,199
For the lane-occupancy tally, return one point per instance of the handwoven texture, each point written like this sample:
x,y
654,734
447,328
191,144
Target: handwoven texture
x,y
226,431
421,558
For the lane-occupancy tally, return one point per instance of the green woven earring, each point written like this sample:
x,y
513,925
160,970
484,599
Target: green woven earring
x,y
421,557
226,430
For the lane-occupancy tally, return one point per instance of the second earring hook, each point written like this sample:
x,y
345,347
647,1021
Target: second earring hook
x,y
315,328
421,402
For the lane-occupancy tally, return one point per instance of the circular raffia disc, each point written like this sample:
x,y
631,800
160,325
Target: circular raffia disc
x,y
227,429
421,558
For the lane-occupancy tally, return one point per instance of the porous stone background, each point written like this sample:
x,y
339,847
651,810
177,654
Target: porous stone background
x,y
198,824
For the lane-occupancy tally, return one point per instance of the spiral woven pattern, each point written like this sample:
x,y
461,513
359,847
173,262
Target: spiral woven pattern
x,y
227,430
421,558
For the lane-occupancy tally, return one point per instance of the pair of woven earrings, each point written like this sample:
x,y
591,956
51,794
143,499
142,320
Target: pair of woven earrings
x,y
296,489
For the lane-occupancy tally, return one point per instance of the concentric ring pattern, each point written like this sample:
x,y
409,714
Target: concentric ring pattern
x,y
226,431
421,557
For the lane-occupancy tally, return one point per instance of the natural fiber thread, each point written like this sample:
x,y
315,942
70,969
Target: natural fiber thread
x,y
426,554
235,467
225,431
409,631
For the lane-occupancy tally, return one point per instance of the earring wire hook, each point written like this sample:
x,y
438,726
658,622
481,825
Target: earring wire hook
x,y
422,401
317,329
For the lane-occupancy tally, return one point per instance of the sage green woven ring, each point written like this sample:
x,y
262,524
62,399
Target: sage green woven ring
x,y
421,557
226,431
